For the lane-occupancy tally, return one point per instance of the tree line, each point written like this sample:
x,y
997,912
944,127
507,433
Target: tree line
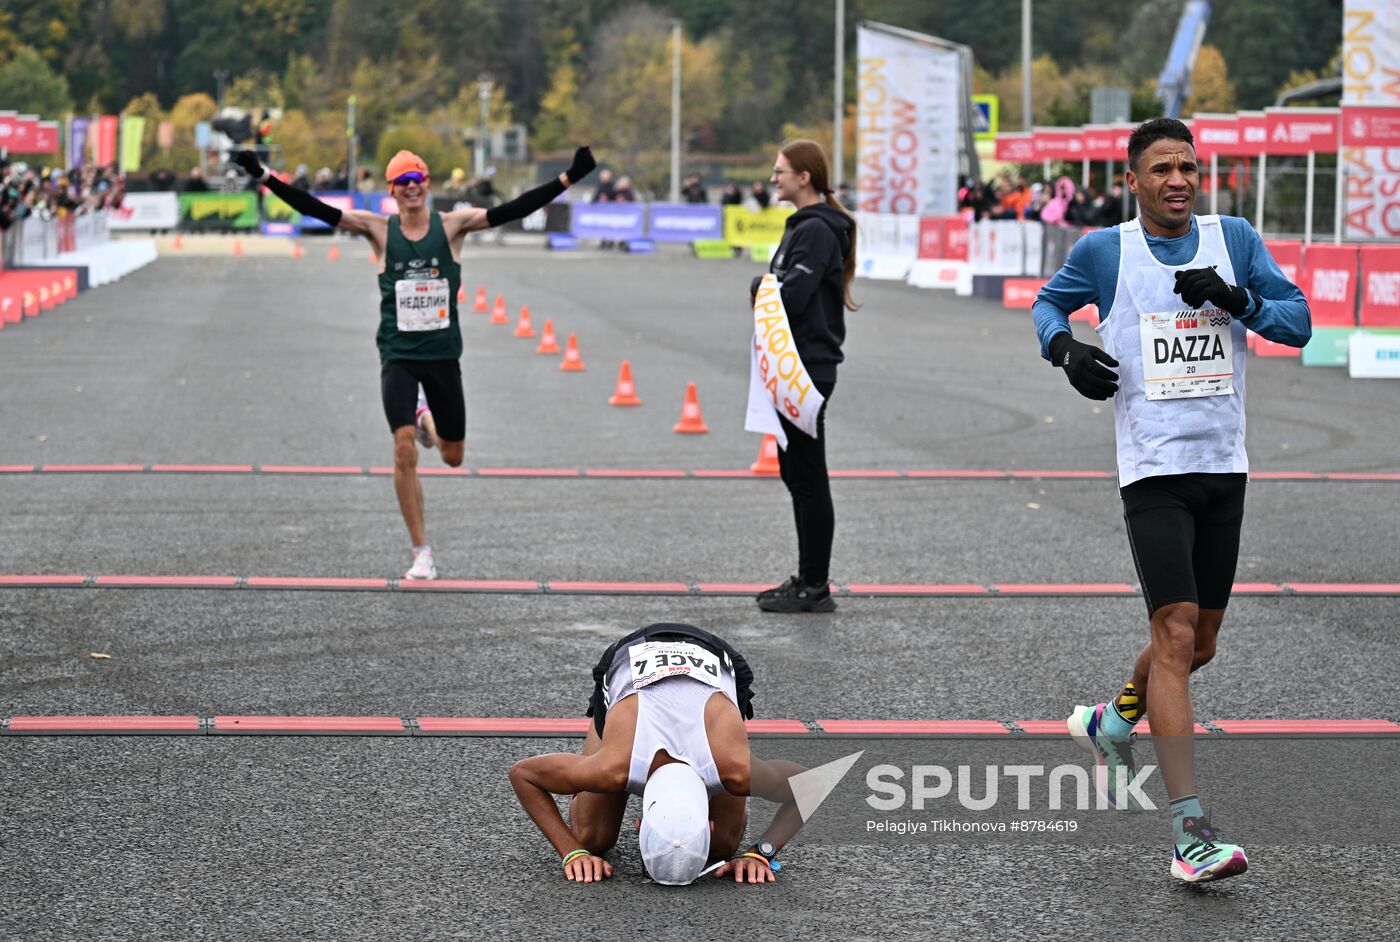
x,y
754,70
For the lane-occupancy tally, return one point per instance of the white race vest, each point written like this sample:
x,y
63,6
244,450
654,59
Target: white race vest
x,y
1180,402
778,381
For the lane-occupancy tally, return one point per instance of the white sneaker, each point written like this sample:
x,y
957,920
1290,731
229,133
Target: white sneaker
x,y
425,438
422,567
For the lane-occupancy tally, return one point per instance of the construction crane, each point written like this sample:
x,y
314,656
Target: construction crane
x,y
1174,84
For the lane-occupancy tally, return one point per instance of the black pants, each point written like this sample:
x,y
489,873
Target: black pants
x,y
803,467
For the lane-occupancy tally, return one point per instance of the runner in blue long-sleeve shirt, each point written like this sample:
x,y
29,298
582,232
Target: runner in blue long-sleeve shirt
x,y
1176,293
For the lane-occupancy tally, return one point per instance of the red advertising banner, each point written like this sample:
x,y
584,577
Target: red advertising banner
x,y
931,236
1019,293
1380,286
955,239
1100,142
7,130
1059,144
1288,253
1370,126
26,132
1016,148
1216,134
104,144
1254,133
46,138
1330,284
943,238
1296,131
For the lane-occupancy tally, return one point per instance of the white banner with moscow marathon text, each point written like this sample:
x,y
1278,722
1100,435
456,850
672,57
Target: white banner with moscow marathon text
x,y
907,126
1370,63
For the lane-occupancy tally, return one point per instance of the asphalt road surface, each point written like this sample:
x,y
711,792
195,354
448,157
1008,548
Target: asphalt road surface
x,y
266,361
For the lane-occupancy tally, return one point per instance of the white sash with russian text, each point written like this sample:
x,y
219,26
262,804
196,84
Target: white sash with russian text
x,y
778,381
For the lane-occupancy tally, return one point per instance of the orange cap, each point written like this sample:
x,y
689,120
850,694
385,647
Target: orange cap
x,y
405,161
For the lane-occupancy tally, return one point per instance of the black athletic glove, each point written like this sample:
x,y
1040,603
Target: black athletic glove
x,y
1199,285
300,200
1085,365
250,164
582,166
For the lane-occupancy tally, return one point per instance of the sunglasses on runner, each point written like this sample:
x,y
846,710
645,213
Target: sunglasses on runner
x,y
413,176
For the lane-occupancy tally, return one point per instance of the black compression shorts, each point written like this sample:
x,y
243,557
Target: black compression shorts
x,y
1184,530
442,384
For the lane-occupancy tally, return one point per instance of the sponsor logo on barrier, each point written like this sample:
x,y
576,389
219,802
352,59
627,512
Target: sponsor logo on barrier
x,y
1330,284
1383,287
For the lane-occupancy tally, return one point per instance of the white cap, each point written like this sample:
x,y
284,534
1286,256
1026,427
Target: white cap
x,y
675,834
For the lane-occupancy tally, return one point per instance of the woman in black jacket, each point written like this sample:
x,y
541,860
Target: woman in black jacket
x,y
815,263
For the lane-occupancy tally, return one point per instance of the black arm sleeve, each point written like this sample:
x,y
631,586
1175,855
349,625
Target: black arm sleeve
x,y
303,202
524,204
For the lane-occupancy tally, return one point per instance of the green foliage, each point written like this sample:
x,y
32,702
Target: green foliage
x,y
412,132
751,67
29,86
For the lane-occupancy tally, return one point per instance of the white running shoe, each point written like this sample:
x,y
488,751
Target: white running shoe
x,y
422,567
425,438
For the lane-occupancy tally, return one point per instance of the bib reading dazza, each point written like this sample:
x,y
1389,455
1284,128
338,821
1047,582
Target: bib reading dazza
x,y
778,381
1187,354
422,304
657,660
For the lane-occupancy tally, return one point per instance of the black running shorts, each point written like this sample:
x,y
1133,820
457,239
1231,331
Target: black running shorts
x,y
1184,530
442,384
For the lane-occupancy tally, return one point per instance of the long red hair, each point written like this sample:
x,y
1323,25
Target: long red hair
x,y
807,156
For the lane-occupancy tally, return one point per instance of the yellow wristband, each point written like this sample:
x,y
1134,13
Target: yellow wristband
x,y
575,854
756,856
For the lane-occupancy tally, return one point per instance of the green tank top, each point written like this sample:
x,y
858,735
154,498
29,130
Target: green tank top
x,y
418,296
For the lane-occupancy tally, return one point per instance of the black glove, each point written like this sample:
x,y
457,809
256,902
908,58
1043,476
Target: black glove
x,y
1199,285
582,166
1084,364
250,164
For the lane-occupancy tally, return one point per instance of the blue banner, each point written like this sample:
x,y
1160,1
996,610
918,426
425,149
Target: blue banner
x,y
77,142
616,222
685,222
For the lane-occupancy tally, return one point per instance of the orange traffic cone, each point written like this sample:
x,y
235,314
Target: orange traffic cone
x,y
498,313
178,242
461,293
572,363
547,342
333,255
373,257
523,327
297,250
767,463
626,392
237,246
692,422
480,306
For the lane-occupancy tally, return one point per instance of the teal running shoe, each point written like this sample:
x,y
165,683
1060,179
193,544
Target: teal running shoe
x,y
1203,856
1114,757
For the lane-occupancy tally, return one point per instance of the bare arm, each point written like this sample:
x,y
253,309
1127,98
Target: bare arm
x,y
372,226
538,779
769,780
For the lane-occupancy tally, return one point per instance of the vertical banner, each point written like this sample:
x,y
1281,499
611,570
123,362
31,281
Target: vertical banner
x,y
910,95
46,138
104,144
25,134
1370,61
77,142
133,128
